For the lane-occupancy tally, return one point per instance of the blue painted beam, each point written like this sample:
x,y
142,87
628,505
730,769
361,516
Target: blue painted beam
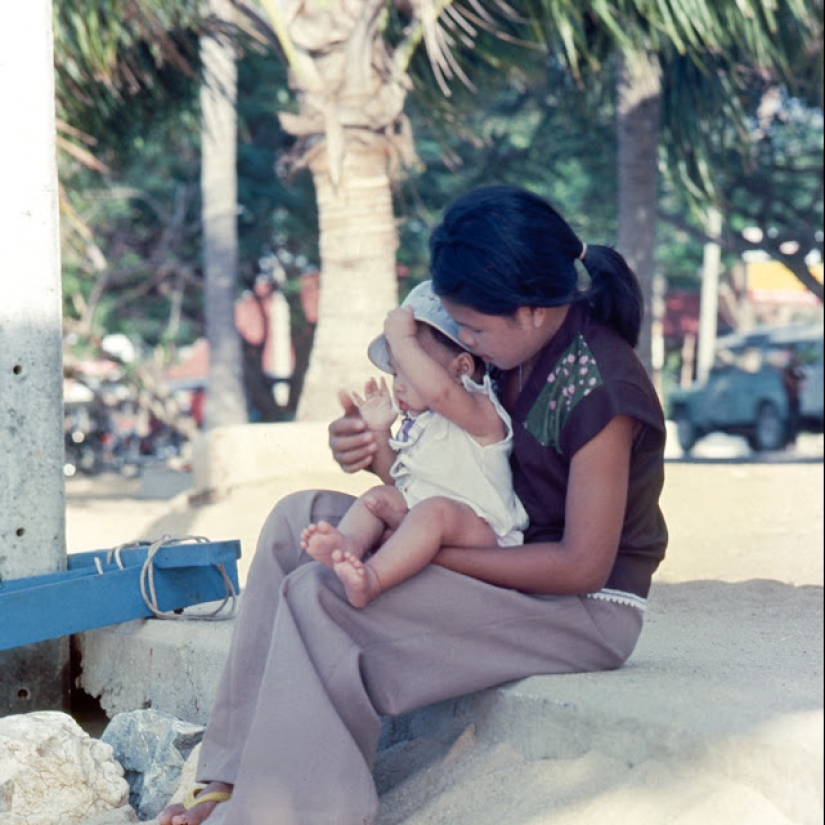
x,y
84,597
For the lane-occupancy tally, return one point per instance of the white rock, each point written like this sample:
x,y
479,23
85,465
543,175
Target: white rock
x,y
53,773
122,816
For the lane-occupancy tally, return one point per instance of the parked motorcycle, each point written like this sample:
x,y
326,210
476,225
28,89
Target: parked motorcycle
x,y
92,444
82,454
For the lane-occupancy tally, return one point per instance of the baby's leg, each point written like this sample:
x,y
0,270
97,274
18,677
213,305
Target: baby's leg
x,y
358,532
430,525
389,509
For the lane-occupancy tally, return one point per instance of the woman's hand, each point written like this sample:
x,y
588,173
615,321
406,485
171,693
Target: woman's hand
x,y
353,445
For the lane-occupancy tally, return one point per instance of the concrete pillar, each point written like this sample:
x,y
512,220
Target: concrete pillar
x,y
32,493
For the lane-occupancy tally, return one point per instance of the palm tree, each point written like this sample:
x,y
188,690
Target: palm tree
x,y
142,56
226,403
638,113
348,65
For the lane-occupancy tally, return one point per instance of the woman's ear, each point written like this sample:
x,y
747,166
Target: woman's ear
x,y
532,317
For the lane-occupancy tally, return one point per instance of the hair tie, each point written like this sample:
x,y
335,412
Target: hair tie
x,y
583,252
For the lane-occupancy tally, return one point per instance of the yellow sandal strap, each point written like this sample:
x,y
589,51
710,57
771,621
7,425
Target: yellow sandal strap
x,y
195,797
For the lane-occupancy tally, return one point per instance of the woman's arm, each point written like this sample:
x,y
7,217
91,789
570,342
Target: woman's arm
x,y
594,515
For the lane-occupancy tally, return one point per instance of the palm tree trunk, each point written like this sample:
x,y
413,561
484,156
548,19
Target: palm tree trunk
x,y
358,242
226,402
638,108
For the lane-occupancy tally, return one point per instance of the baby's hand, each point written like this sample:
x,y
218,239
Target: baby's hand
x,y
376,405
399,324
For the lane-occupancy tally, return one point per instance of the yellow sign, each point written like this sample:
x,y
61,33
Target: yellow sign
x,y
774,282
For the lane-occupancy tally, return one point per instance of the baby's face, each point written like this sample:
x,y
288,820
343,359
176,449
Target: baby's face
x,y
407,398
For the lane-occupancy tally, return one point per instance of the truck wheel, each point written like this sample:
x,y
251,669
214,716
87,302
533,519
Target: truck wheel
x,y
769,428
686,432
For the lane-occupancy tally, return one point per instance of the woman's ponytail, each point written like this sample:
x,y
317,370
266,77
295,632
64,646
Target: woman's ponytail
x,y
614,297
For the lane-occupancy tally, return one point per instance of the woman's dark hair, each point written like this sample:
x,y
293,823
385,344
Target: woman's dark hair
x,y
499,248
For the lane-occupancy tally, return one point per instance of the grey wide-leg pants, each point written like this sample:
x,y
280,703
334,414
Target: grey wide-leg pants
x,y
296,718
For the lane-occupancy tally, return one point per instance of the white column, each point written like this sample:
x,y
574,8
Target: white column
x,y
280,332
709,297
32,495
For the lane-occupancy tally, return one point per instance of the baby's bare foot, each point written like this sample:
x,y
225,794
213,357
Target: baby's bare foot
x,y
198,812
319,540
360,582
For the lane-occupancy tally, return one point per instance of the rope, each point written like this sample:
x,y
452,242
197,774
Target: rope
x,y
147,580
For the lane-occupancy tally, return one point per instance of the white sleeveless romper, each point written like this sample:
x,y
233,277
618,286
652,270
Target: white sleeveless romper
x,y
438,458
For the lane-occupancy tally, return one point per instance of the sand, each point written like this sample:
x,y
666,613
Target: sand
x,y
745,554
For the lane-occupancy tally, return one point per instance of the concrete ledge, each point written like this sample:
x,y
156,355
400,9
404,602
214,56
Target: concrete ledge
x,y
698,691
169,665
158,482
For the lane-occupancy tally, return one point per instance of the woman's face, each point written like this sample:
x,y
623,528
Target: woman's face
x,y
502,340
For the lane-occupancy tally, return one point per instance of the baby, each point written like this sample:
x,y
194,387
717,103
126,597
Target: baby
x,y
447,469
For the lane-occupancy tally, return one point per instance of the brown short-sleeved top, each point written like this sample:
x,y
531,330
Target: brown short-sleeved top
x,y
586,376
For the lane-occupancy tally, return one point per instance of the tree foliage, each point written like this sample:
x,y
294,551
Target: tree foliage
x,y
741,118
132,234
742,130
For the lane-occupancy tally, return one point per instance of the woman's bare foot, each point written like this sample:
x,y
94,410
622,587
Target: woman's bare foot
x,y
360,580
321,539
177,814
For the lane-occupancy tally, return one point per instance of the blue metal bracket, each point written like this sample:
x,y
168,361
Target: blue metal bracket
x,y
102,588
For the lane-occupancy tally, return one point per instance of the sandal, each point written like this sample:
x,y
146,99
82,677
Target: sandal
x,y
195,797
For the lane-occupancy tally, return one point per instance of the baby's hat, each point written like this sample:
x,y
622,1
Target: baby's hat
x,y
428,309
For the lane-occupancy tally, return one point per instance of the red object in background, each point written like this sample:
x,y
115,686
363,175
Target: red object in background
x,y
196,405
681,314
310,289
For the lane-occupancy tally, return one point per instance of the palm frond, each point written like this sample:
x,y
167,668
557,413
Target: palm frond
x,y
450,29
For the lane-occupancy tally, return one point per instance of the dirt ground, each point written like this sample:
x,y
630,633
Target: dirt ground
x,y
732,515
